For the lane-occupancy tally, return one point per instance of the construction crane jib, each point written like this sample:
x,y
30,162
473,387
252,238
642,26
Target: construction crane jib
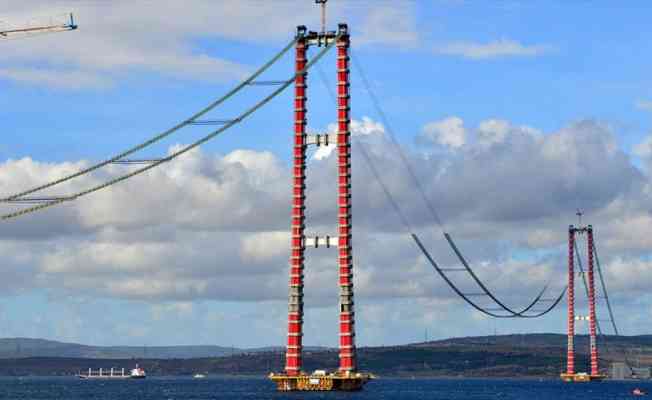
x,y
69,25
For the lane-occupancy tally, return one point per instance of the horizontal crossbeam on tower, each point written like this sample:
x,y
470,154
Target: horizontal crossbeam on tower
x,y
325,241
322,139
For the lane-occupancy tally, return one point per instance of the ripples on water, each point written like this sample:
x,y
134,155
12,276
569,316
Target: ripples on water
x,y
255,389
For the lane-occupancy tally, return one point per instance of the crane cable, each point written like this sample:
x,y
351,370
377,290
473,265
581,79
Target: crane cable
x,y
183,150
435,215
158,137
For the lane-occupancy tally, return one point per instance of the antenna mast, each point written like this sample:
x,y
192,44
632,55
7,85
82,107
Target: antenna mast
x,y
323,14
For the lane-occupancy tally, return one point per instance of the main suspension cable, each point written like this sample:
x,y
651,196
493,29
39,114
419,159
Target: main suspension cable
x,y
484,288
397,209
483,310
183,150
159,137
431,208
397,146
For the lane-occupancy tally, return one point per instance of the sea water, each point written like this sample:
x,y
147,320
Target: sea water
x,y
258,388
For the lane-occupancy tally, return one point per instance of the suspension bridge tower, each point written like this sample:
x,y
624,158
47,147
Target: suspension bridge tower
x,y
347,377
571,375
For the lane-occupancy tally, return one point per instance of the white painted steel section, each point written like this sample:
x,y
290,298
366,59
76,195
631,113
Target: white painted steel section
x,y
322,139
324,241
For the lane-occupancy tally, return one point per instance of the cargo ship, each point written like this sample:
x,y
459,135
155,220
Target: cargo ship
x,y
113,373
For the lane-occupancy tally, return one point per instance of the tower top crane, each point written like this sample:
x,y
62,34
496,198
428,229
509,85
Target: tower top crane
x,y
69,25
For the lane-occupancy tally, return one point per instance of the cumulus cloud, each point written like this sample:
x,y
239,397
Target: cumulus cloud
x,y
494,49
389,24
447,132
215,227
75,79
359,128
644,149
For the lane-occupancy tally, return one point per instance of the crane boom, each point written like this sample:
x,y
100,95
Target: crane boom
x,y
67,26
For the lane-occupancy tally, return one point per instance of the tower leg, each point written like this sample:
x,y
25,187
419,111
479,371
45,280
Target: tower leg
x,y
570,360
592,321
347,316
295,306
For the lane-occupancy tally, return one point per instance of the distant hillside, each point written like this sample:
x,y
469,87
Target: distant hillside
x,y
24,347
532,355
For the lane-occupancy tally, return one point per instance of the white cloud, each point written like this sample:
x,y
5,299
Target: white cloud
x,y
265,246
644,105
180,309
447,132
493,49
389,24
73,79
212,227
644,149
359,128
493,131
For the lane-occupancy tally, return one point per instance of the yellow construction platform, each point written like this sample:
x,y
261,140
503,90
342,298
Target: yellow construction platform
x,y
320,382
582,377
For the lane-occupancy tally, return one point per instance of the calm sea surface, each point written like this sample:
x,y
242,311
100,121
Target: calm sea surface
x,y
254,389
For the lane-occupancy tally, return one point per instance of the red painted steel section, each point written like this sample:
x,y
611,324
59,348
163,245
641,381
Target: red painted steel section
x,y
295,309
570,360
347,321
592,321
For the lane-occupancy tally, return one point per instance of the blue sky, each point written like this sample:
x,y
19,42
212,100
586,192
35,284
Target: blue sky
x,y
133,70
586,69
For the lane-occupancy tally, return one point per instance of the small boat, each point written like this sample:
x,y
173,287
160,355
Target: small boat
x,y
199,376
138,373
639,392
